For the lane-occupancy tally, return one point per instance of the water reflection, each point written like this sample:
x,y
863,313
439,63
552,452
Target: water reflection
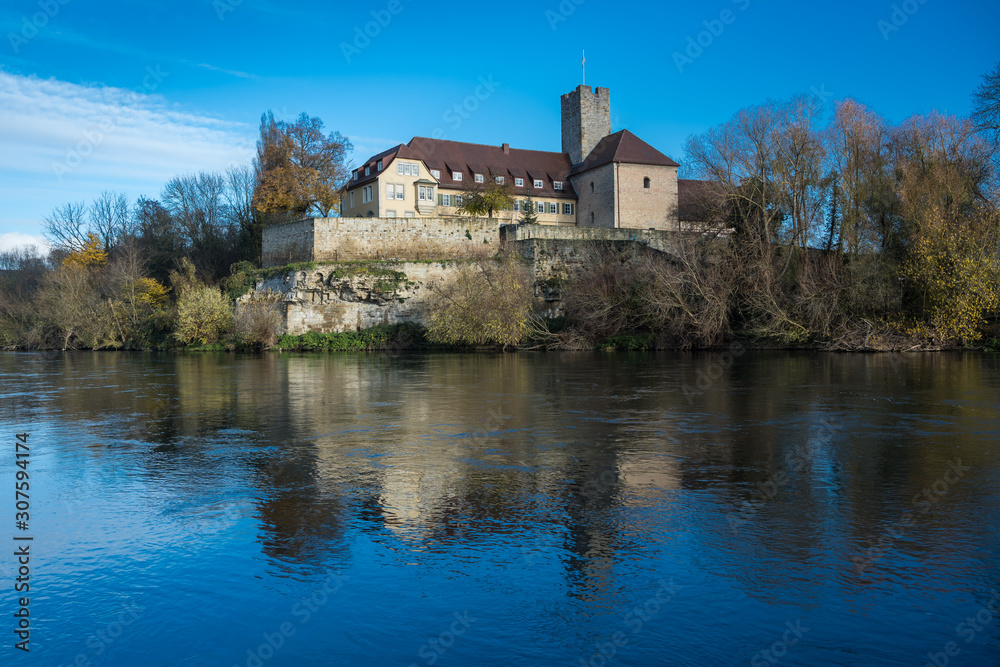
x,y
766,475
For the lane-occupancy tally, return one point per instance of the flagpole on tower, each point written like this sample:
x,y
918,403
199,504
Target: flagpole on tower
x,y
584,67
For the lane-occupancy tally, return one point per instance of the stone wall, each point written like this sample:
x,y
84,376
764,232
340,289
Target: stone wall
x,y
644,208
354,239
657,239
596,190
586,119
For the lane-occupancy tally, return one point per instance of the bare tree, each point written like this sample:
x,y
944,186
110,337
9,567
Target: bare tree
x,y
986,105
111,219
66,227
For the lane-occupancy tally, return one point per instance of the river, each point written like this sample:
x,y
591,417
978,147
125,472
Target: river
x,y
502,509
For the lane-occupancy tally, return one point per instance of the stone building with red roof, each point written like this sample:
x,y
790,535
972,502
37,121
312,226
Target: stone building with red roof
x,y
599,179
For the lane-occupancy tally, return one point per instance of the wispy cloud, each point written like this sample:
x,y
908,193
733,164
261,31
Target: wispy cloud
x,y
230,72
123,140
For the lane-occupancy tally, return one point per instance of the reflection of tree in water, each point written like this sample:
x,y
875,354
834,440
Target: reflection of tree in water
x,y
301,518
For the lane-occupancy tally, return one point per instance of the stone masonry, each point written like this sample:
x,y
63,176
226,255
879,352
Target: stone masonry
x,y
586,119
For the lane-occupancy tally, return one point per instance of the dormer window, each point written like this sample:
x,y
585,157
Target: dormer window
x,y
538,183
380,165
436,173
355,174
499,180
367,170
558,185
479,178
456,175
519,182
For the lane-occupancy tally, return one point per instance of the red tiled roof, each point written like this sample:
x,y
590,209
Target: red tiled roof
x,y
622,147
470,159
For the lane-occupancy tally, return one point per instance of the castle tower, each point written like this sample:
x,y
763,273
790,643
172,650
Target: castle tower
x,y
586,119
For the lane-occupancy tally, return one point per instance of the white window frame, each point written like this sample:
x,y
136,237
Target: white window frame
x,y
426,193
568,209
436,173
445,200
517,206
458,201
367,171
499,180
456,175
558,185
541,207
399,168
519,182
390,191
537,183
407,169
400,192
416,169
352,198
553,208
408,214
479,178
390,213
380,165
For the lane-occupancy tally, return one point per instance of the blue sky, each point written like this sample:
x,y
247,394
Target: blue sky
x,y
121,96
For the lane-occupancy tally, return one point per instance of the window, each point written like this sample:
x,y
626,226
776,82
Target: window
x,y
591,218
538,183
479,178
436,173
355,175
352,198
380,165
541,207
553,207
519,182
366,194
645,183
426,193
390,213
591,187
390,191
567,209
407,214
517,206
458,200
499,180
407,169
400,192
558,185
445,200
416,170
456,175
399,168
367,170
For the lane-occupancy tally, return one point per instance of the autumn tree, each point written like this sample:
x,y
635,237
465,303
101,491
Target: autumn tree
x,y
299,169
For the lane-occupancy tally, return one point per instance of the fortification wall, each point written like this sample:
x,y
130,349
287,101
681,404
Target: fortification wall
x,y
354,239
656,239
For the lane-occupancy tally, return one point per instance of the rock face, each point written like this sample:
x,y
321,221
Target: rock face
x,y
348,297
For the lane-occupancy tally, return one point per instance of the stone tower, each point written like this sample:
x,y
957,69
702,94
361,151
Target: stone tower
x,y
586,119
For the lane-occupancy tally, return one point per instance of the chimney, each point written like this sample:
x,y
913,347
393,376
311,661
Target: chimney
x,y
506,149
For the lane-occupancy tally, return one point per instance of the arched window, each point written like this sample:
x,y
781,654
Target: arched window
x,y
645,182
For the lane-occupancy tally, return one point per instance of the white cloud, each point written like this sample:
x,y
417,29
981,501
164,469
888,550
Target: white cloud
x,y
58,137
11,240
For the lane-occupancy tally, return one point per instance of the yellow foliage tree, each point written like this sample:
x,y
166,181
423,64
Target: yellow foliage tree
x,y
151,293
956,276
91,255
